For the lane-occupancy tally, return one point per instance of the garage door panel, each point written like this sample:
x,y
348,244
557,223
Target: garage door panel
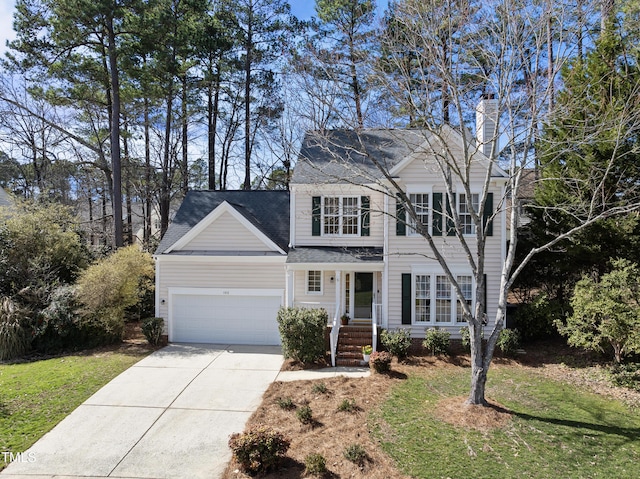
x,y
237,319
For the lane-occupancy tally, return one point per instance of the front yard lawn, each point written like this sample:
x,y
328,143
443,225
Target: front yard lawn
x,y
35,396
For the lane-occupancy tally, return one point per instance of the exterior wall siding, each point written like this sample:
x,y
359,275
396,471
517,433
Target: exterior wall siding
x,y
226,234
209,274
303,216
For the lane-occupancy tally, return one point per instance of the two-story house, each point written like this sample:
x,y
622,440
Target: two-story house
x,y
341,239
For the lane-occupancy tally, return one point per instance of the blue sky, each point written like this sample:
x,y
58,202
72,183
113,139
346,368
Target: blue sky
x,y
303,9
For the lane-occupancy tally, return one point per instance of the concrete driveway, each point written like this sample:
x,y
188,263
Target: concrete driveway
x,y
168,416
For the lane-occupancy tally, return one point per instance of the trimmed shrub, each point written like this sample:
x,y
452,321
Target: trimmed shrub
x,y
437,340
152,329
509,341
302,333
14,341
380,361
259,449
397,342
305,414
355,453
315,464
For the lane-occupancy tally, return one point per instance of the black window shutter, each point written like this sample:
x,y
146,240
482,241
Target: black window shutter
x,y
364,216
406,298
451,225
401,218
315,215
437,214
488,211
485,293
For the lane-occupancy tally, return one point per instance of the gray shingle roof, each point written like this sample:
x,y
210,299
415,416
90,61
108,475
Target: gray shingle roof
x,y
334,255
339,154
266,210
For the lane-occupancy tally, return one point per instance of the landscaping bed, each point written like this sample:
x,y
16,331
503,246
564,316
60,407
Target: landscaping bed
x,y
549,417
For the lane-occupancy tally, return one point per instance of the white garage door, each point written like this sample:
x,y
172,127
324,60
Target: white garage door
x,y
226,317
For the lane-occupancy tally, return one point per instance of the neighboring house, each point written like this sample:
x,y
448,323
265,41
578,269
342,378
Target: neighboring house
x,y
336,241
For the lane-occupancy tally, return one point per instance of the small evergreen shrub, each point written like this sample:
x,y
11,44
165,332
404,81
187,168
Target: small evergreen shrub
x,y
437,341
509,342
152,329
319,388
305,414
302,333
286,404
380,361
315,464
348,405
14,341
355,453
465,339
259,449
626,375
397,342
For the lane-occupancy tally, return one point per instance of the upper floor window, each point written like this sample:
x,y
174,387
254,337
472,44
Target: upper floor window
x,y
467,225
420,202
340,216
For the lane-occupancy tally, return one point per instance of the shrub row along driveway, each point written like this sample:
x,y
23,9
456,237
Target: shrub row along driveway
x,y
168,416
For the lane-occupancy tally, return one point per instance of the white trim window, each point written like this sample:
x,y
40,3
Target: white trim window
x,y
420,202
467,225
422,299
466,285
314,282
434,298
341,216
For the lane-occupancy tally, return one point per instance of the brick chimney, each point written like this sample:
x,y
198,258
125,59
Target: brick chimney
x,y
486,122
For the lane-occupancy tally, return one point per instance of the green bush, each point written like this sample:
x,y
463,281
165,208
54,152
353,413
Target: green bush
x,y
355,453
302,333
397,342
465,338
152,329
509,341
259,449
437,340
305,414
380,361
626,375
14,341
111,286
535,320
286,403
348,405
315,464
319,388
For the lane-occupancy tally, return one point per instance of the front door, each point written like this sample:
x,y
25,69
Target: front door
x,y
362,295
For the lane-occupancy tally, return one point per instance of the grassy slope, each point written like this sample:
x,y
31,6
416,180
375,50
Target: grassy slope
x,y
557,430
35,396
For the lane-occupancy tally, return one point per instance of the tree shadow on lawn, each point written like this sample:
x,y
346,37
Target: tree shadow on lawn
x,y
632,434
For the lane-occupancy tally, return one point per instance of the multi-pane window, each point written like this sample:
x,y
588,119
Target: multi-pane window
x,y
331,215
434,299
420,202
465,284
314,282
341,215
443,299
464,213
423,298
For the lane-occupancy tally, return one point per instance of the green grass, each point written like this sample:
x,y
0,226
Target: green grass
x,y
557,431
35,396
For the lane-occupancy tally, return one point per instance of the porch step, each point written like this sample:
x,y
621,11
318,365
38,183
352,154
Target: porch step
x,y
350,342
